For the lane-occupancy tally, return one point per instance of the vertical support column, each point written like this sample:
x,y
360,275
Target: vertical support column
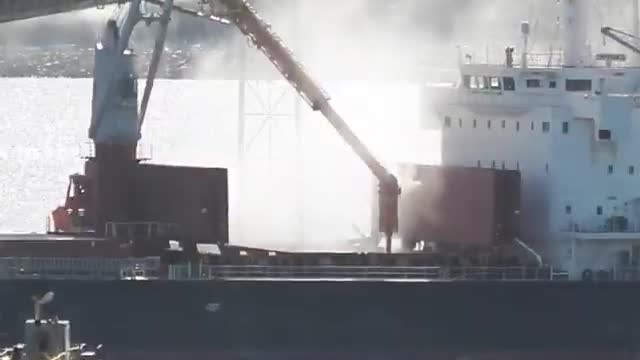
x,y
265,108
575,32
635,6
297,111
242,83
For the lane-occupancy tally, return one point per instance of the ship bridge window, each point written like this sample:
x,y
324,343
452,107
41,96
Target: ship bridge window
x,y
466,81
447,121
610,169
552,84
533,83
604,134
495,83
632,170
508,83
578,85
546,126
565,127
481,81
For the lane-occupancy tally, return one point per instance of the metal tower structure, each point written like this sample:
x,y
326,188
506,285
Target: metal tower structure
x,y
266,106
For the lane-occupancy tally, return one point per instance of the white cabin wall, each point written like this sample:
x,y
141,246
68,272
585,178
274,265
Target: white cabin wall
x,y
573,177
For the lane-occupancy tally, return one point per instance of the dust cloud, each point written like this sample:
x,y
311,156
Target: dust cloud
x,y
371,56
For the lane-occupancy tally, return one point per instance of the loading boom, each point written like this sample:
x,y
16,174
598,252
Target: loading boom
x,y
245,17
619,37
14,10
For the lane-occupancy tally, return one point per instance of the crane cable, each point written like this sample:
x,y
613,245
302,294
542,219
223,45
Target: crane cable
x,y
155,59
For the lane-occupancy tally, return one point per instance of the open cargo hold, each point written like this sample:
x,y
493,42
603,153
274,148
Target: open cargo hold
x,y
459,205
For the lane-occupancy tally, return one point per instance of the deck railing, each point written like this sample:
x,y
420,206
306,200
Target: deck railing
x,y
87,150
232,272
75,268
145,230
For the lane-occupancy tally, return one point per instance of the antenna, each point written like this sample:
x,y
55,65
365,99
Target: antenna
x,y
636,26
37,304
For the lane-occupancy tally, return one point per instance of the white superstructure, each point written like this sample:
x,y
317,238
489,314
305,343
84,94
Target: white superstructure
x,y
571,125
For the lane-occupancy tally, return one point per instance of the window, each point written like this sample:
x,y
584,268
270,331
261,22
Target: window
x,y
610,169
533,127
473,84
552,84
632,170
459,123
481,82
546,126
578,85
565,127
488,124
495,83
493,164
475,123
546,168
466,80
568,209
504,124
518,126
604,134
447,121
508,83
533,83
599,210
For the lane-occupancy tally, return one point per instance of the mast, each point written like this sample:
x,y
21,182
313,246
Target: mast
x,y
574,20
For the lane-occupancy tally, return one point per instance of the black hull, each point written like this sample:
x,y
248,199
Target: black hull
x,y
339,320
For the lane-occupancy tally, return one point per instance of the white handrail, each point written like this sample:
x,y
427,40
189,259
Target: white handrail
x,y
212,272
74,268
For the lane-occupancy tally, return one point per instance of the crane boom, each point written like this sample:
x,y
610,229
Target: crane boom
x,y
617,36
245,17
13,10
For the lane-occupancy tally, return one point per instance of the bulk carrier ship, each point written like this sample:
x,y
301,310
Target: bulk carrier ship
x,y
537,169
